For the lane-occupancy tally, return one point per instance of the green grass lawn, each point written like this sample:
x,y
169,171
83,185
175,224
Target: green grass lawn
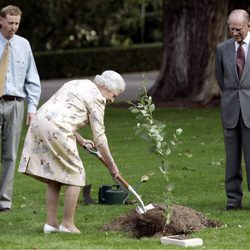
x,y
197,170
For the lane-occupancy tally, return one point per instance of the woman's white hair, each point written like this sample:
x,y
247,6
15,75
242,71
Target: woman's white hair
x,y
111,80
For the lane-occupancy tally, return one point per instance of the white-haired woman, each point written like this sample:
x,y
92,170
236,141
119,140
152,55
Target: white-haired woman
x,y
50,150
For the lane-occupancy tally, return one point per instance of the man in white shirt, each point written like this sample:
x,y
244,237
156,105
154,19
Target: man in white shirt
x,y
20,81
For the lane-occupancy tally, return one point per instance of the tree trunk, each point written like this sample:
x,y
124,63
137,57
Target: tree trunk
x,y
191,31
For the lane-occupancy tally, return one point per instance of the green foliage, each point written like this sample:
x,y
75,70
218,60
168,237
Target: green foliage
x,y
77,63
70,24
154,132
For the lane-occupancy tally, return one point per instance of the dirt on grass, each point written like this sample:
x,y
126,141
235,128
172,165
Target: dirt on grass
x,y
184,221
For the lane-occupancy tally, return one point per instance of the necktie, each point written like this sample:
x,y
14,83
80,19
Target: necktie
x,y
240,60
4,67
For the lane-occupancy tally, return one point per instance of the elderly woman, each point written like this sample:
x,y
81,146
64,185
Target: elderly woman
x,y
50,150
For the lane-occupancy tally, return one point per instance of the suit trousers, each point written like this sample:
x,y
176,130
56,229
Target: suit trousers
x,y
11,121
237,141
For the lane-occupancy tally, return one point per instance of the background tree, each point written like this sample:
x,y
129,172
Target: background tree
x,y
191,30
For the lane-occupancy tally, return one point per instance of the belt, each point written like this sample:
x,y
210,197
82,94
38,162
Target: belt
x,y
9,98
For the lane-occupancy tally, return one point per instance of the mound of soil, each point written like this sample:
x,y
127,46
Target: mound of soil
x,y
184,221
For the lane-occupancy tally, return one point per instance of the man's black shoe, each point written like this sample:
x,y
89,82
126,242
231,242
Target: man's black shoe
x,y
228,207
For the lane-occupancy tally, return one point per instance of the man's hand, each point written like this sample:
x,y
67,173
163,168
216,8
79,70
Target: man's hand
x,y
29,118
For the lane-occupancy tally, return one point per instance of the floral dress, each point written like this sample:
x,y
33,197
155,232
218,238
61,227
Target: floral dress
x,y
50,148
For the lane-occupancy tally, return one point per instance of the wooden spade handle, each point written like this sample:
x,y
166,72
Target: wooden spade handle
x,y
95,152
122,181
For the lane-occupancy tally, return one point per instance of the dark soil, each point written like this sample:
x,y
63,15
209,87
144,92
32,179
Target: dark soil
x,y
184,221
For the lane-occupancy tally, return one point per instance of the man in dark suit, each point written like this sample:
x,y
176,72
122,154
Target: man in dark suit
x,y
232,68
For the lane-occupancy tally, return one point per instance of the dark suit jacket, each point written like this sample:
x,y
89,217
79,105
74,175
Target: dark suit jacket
x,y
235,92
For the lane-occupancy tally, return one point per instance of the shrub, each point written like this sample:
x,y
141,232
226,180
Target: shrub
x,y
85,62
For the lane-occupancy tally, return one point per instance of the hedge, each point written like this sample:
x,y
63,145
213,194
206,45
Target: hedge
x,y
84,62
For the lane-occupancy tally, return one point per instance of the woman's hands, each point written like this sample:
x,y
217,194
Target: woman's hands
x,y
104,151
83,142
88,143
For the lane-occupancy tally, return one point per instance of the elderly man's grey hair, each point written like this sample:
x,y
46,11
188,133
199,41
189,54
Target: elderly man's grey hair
x,y
243,13
111,80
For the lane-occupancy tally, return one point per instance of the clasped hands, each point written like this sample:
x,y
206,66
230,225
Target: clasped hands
x,y
88,143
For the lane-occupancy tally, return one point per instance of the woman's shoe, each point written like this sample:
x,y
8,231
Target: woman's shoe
x,y
47,229
63,229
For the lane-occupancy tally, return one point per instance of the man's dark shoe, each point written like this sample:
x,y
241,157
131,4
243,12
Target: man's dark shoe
x,y
4,210
228,207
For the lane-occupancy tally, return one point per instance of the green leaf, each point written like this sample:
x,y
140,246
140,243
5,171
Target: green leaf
x,y
152,107
145,125
135,110
162,126
158,145
139,117
179,131
168,151
150,99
